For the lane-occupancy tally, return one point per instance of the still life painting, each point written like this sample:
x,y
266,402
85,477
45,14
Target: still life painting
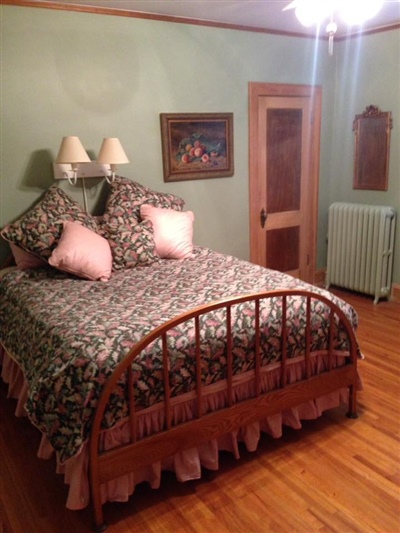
x,y
197,145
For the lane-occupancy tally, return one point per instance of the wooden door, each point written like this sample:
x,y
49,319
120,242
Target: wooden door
x,y
284,162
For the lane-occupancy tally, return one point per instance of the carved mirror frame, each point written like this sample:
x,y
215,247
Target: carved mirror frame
x,y
372,146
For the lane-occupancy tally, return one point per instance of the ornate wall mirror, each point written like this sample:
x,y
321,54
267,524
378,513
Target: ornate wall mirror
x,y
372,144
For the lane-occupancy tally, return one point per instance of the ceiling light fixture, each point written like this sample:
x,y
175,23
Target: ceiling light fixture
x,y
352,12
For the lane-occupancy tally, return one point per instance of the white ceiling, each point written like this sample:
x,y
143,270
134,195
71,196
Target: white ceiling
x,y
265,14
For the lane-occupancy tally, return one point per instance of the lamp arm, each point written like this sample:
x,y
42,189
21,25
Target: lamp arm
x,y
110,179
74,178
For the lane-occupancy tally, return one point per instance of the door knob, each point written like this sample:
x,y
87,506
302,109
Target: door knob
x,y
263,217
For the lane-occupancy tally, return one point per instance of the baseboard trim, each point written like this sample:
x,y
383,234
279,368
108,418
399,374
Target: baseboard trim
x,y
320,277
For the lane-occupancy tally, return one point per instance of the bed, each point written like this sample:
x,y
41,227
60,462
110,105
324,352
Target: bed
x,y
162,365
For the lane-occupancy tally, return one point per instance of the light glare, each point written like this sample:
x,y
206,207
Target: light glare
x,y
311,12
353,12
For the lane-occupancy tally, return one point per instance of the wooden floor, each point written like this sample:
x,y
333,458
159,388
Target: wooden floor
x,y
334,475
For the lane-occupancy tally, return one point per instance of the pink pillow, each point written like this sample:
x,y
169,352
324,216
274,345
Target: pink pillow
x,y
24,259
82,252
173,231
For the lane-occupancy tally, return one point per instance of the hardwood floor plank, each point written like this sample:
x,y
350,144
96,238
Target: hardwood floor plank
x,y
335,475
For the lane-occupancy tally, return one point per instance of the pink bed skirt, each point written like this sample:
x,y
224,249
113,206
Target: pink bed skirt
x,y
186,465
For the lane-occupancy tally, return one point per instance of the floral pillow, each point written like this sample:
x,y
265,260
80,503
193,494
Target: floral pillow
x,y
39,230
131,244
126,197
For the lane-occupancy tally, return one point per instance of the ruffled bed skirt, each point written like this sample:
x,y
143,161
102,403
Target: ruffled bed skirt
x,y
187,464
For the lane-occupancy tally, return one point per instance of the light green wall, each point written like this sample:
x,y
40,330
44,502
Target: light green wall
x,y
368,73
66,73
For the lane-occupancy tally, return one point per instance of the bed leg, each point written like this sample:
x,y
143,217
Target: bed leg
x,y
99,528
352,412
99,525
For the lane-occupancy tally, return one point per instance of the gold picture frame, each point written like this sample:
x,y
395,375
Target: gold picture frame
x,y
197,145
372,149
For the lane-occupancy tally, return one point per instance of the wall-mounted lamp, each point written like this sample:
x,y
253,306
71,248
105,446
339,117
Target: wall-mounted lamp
x,y
71,151
63,171
73,163
112,153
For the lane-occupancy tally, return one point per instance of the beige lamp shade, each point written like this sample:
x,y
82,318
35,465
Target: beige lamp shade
x,y
111,152
71,151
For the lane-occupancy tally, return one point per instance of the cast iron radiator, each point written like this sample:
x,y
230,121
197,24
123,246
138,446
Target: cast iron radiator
x,y
360,248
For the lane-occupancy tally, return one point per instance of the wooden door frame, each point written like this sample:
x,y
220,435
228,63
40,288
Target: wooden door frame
x,y
314,92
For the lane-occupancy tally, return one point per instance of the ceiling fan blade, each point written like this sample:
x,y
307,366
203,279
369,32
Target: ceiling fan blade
x,y
292,5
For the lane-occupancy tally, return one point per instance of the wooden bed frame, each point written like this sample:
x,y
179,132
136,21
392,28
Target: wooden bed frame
x,y
111,464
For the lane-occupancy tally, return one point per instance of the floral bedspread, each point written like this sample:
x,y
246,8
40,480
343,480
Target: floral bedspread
x,y
68,334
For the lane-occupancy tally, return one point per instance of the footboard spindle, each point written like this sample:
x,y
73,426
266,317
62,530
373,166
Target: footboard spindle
x,y
259,402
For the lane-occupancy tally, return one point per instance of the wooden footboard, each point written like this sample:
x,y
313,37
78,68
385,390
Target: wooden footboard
x,y
111,464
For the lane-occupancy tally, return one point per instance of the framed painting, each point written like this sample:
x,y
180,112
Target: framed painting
x,y
372,148
197,145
